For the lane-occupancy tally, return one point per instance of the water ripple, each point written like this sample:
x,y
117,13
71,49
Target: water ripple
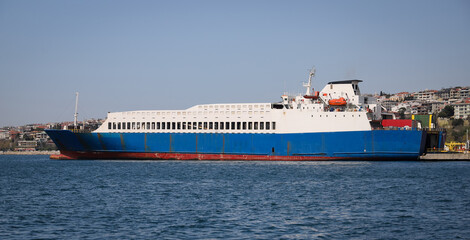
x,y
45,199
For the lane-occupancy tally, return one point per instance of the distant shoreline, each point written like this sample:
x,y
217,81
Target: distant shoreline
x,y
29,152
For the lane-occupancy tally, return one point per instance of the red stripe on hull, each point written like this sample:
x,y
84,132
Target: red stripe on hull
x,y
69,155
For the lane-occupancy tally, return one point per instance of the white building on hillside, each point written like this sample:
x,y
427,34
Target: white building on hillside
x,y
462,109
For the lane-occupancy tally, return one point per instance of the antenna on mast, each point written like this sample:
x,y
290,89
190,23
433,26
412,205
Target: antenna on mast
x,y
76,113
309,84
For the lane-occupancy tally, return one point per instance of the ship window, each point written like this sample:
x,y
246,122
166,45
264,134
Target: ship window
x,y
274,125
158,125
250,125
255,126
163,125
268,126
216,125
184,126
227,125
143,125
221,125
148,125
133,125
244,125
119,125
179,125
173,125
194,125
199,125
128,125
205,125
211,125
232,126
153,125
138,125
239,125
109,125
261,126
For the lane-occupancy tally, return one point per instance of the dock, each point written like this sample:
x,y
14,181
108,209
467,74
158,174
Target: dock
x,y
445,157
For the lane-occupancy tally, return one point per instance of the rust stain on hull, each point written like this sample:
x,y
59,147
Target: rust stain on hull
x,y
123,144
103,146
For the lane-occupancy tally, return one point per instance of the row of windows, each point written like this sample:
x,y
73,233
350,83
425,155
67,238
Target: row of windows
x,y
193,125
194,113
205,107
326,115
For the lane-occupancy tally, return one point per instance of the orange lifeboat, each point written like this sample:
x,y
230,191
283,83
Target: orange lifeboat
x,y
337,102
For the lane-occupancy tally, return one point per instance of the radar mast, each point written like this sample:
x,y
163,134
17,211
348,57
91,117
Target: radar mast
x,y
75,116
309,84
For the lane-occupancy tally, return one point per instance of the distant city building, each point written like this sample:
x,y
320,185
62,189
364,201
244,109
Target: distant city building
x,y
426,95
465,93
404,105
400,97
418,108
462,109
443,94
437,106
4,134
41,136
388,105
15,134
27,144
458,93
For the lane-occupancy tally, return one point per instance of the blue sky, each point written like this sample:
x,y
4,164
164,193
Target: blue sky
x,y
143,55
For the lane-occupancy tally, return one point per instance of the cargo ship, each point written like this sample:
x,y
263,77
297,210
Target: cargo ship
x,y
336,123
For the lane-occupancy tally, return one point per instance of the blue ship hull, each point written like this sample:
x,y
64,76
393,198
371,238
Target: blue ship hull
x,y
358,145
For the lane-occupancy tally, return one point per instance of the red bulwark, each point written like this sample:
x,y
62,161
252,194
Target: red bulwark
x,y
397,123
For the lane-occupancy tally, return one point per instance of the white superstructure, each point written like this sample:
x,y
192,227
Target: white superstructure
x,y
338,107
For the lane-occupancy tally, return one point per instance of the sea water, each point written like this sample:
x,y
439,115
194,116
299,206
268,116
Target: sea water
x,y
55,199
